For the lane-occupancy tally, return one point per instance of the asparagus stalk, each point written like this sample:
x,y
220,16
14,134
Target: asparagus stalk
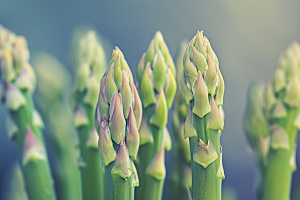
x,y
52,100
181,174
90,62
18,82
157,88
203,87
282,108
118,118
257,129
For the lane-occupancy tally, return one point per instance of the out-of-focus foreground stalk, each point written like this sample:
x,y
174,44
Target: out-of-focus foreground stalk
x,y
181,174
118,116
157,88
52,96
281,108
90,65
203,88
18,82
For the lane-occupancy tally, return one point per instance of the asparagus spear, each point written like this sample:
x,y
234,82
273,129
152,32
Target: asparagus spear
x,y
18,83
272,122
118,120
257,129
157,88
282,108
203,87
52,95
90,63
181,174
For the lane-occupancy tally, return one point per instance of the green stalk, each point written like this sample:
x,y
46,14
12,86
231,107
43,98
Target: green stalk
x,y
157,88
18,82
52,100
92,174
108,182
279,186
276,105
205,118
90,63
118,116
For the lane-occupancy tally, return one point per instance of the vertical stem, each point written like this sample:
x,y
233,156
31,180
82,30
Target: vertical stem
x,y
145,152
92,175
108,182
278,177
121,187
206,184
150,188
154,188
37,176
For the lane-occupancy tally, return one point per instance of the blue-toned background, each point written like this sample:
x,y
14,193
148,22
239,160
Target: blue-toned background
x,y
247,37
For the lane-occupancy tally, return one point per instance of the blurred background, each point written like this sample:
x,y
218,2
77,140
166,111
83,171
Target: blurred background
x,y
247,37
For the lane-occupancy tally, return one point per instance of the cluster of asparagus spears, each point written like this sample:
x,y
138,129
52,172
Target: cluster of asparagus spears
x,y
272,122
121,126
108,140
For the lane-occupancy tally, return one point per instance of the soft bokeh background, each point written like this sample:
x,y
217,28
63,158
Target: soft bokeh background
x,y
247,37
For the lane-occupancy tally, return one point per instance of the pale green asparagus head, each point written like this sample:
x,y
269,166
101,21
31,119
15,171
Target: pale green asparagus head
x,y
156,77
119,115
282,100
91,65
202,82
282,92
16,76
54,81
255,122
16,73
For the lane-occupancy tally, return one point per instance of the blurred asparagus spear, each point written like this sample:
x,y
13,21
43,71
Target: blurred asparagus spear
x,y
282,108
157,88
272,126
90,64
119,117
18,83
54,84
257,128
181,174
203,87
